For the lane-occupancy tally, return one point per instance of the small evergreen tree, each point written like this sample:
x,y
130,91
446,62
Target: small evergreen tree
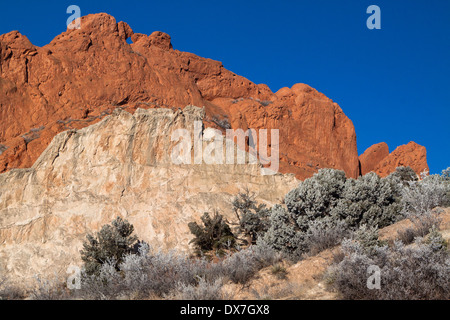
x,y
253,219
215,234
110,244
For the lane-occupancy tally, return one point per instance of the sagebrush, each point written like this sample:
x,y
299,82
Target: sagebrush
x,y
419,272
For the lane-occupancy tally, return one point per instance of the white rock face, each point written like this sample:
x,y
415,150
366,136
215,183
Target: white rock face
x,y
120,166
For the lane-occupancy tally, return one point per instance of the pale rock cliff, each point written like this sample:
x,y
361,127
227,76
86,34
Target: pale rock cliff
x,y
120,166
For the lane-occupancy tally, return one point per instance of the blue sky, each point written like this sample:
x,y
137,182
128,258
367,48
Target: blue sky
x,y
393,83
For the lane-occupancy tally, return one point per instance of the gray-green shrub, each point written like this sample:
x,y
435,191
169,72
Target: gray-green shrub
x,y
420,197
284,234
404,175
154,273
419,272
9,291
325,233
323,209
48,289
241,266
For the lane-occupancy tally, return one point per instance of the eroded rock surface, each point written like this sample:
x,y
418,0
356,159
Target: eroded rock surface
x,y
378,159
120,166
82,75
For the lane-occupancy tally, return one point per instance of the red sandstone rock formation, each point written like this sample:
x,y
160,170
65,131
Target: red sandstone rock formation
x,y
82,75
372,157
377,158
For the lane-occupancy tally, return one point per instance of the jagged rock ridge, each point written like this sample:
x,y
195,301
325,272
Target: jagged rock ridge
x,y
82,75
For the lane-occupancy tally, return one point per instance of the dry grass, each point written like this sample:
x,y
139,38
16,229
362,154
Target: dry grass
x,y
391,232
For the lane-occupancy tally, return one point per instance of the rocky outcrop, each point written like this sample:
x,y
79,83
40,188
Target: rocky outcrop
x,y
378,159
82,75
411,154
372,157
120,166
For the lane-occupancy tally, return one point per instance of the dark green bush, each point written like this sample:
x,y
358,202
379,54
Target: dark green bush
x,y
253,219
111,243
407,235
215,234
